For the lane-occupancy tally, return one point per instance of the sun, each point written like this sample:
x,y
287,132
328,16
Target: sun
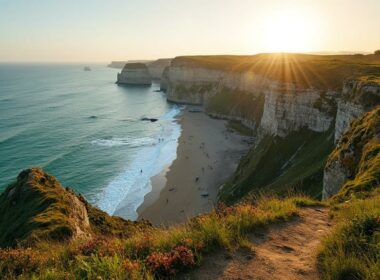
x,y
291,31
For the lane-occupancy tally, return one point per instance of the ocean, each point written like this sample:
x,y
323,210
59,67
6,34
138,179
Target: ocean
x,y
85,130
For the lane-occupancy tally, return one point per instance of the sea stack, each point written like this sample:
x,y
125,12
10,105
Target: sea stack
x,y
134,74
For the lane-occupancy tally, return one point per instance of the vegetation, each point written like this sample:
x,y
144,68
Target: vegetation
x,y
149,252
279,165
237,104
359,153
36,207
304,70
352,251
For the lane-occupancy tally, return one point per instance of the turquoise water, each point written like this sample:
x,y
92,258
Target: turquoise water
x,y
84,129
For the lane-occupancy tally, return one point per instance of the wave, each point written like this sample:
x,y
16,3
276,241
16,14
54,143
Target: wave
x,y
126,192
133,143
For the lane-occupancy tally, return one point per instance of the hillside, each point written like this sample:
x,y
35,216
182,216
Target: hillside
x,y
36,207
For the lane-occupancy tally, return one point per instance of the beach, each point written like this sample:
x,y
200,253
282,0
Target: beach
x,y
207,155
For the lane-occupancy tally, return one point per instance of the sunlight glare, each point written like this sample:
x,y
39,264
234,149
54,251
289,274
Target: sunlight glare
x,y
291,32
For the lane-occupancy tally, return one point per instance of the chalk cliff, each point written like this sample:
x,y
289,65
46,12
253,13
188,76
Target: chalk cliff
x,y
277,108
280,96
353,167
134,74
156,68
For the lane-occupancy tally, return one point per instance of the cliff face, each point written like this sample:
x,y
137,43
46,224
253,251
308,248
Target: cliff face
x,y
134,74
156,68
276,108
280,96
353,168
357,98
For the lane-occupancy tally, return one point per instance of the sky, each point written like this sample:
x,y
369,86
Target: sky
x,y
105,30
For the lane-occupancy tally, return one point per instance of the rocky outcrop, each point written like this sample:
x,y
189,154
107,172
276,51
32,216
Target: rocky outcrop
x,y
357,98
36,207
134,74
353,167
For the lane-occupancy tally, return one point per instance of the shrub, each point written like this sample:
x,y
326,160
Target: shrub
x,y
180,258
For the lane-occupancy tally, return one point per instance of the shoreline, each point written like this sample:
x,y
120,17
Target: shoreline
x,y
207,155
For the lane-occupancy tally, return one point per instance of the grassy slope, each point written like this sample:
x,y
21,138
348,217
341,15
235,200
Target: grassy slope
x,y
153,252
320,71
280,164
37,207
352,251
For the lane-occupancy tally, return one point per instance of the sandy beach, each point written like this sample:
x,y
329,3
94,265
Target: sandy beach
x,y
207,154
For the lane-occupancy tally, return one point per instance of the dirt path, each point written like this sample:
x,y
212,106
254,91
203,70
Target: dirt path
x,y
283,251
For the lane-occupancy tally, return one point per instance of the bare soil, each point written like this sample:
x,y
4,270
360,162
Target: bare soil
x,y
281,251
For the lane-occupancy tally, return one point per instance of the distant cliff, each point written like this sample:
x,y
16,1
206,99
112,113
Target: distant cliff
x,y
117,64
280,96
134,74
121,64
156,68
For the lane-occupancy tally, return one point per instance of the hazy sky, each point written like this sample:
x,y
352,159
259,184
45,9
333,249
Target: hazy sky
x,y
104,30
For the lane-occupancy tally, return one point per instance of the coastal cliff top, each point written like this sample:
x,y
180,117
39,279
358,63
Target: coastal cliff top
x,y
307,70
135,66
36,207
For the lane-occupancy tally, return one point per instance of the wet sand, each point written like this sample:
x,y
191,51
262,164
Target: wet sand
x,y
207,155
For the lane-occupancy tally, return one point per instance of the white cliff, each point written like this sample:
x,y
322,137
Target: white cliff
x,y
285,108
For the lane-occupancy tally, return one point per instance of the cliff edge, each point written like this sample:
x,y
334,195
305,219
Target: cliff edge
x,y
36,207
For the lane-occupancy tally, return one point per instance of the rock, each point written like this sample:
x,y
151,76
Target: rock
x,y
149,119
134,74
355,156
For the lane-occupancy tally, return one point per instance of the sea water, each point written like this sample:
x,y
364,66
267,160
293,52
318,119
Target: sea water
x,y
87,131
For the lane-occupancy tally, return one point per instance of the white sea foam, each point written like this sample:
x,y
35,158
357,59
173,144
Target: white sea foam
x,y
145,141
128,189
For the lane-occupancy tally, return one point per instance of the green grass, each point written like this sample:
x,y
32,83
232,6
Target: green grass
x,y
359,153
237,104
352,251
36,207
151,252
276,164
